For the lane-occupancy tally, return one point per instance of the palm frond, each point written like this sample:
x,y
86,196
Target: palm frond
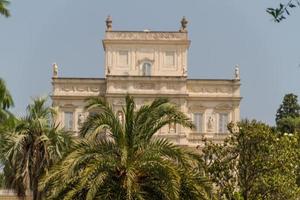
x,y
3,8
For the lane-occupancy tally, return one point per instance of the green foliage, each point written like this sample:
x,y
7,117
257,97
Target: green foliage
x,y
283,10
288,108
254,163
287,116
119,158
3,8
29,146
289,125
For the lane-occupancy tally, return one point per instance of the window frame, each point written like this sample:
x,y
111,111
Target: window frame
x,y
201,121
72,127
223,129
149,70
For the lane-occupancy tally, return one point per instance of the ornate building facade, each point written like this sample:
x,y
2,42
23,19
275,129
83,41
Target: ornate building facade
x,y
149,64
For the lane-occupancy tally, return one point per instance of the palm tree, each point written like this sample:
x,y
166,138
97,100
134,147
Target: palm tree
x,y
3,10
6,100
30,147
122,159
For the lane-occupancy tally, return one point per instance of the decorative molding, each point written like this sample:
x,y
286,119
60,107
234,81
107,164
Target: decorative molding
x,y
115,35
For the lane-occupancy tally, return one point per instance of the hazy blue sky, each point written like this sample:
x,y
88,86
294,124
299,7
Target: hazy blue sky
x,y
223,33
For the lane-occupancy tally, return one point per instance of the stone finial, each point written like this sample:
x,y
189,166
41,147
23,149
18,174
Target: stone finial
x,y
237,72
184,23
55,70
108,23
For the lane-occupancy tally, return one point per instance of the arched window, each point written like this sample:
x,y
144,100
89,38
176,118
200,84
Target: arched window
x,y
146,69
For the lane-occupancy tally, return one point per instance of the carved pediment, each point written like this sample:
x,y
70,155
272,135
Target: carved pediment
x,y
145,60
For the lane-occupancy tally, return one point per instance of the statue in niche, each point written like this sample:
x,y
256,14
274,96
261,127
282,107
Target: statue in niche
x,y
81,119
210,124
121,117
172,127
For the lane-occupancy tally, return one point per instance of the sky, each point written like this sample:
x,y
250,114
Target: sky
x,y
222,34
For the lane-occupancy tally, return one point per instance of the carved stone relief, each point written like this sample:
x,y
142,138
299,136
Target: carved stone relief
x,y
145,86
173,86
79,88
223,107
210,89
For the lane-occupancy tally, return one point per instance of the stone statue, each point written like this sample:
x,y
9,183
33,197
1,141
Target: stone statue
x,y
237,72
120,117
210,123
81,119
108,23
184,23
55,70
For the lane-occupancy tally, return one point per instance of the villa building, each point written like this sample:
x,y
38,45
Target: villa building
x,y
150,64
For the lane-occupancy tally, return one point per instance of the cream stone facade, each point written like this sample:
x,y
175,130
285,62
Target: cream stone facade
x,y
150,64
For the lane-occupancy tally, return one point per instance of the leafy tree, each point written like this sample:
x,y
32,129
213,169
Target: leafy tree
x,y
283,10
29,146
289,125
3,8
288,108
254,163
122,159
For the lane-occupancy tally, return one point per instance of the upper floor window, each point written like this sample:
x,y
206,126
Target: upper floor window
x,y
123,58
146,69
198,122
169,58
223,121
68,120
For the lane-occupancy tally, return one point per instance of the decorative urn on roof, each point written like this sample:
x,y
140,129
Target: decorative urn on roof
x,y
184,23
108,23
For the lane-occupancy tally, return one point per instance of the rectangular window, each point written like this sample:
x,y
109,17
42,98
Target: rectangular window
x,y
146,69
169,58
223,121
68,121
123,58
198,122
